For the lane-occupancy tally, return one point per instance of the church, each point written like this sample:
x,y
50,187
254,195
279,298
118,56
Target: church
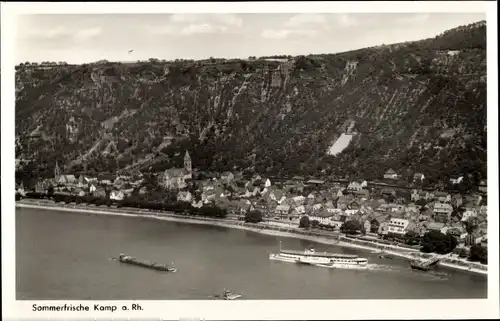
x,y
175,178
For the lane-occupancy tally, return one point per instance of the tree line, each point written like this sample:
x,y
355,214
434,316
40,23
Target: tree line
x,y
209,210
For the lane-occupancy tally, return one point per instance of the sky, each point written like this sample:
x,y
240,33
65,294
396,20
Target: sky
x,y
80,38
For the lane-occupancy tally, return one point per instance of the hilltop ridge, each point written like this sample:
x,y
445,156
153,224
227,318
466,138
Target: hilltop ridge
x,y
414,107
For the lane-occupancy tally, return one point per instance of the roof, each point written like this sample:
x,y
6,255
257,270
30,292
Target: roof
x,y
390,171
298,178
315,181
103,177
388,191
174,172
441,194
418,175
435,226
442,206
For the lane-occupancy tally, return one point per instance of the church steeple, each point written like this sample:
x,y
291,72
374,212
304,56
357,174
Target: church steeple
x,y
57,171
188,166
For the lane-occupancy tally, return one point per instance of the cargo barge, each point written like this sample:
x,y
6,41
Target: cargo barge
x,y
151,265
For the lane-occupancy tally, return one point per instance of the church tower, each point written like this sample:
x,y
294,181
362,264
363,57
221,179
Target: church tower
x,y
188,167
57,172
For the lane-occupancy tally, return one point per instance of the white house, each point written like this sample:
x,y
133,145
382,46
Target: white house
x,y
92,188
391,174
457,180
468,213
356,186
398,226
322,218
184,196
442,197
317,206
442,208
418,177
300,209
267,183
282,210
116,195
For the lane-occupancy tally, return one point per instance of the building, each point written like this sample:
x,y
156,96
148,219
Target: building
x,y
398,226
175,178
315,182
469,212
391,174
116,195
474,199
457,200
282,210
184,196
323,218
356,186
442,197
388,191
418,178
456,180
442,212
483,188
227,177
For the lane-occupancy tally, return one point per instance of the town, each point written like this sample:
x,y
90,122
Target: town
x,y
378,210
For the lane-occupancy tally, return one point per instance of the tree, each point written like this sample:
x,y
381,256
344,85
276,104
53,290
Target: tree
x,y
253,217
478,253
304,222
471,224
374,225
50,190
351,227
412,238
315,223
437,242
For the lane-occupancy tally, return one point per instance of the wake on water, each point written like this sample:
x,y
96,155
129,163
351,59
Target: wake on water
x,y
435,275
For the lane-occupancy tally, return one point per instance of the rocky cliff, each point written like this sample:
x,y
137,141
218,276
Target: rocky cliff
x,y
414,107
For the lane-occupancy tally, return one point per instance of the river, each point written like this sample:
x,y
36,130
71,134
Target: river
x,y
64,255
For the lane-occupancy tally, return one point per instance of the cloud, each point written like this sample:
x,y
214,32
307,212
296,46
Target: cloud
x,y
202,29
61,32
286,33
346,20
163,30
306,19
414,18
51,33
220,19
88,33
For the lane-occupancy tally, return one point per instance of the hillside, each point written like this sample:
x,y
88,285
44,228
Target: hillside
x,y
418,106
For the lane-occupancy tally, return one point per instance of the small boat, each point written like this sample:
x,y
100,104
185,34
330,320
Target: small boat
x,y
228,295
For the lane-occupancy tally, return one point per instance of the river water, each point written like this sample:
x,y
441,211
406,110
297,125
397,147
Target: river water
x,y
64,255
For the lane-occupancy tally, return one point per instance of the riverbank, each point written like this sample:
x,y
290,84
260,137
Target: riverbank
x,y
263,228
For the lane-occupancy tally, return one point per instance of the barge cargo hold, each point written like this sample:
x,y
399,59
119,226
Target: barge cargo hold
x,y
151,265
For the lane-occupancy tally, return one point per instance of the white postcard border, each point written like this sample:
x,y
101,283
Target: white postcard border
x,y
247,310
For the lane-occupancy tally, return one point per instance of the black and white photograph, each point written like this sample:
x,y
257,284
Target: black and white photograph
x,y
202,156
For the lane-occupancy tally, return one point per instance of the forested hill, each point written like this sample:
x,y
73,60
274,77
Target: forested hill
x,y
414,107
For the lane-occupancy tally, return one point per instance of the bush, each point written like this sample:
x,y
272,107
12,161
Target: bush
x,y
304,222
478,253
412,238
351,227
437,242
253,217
